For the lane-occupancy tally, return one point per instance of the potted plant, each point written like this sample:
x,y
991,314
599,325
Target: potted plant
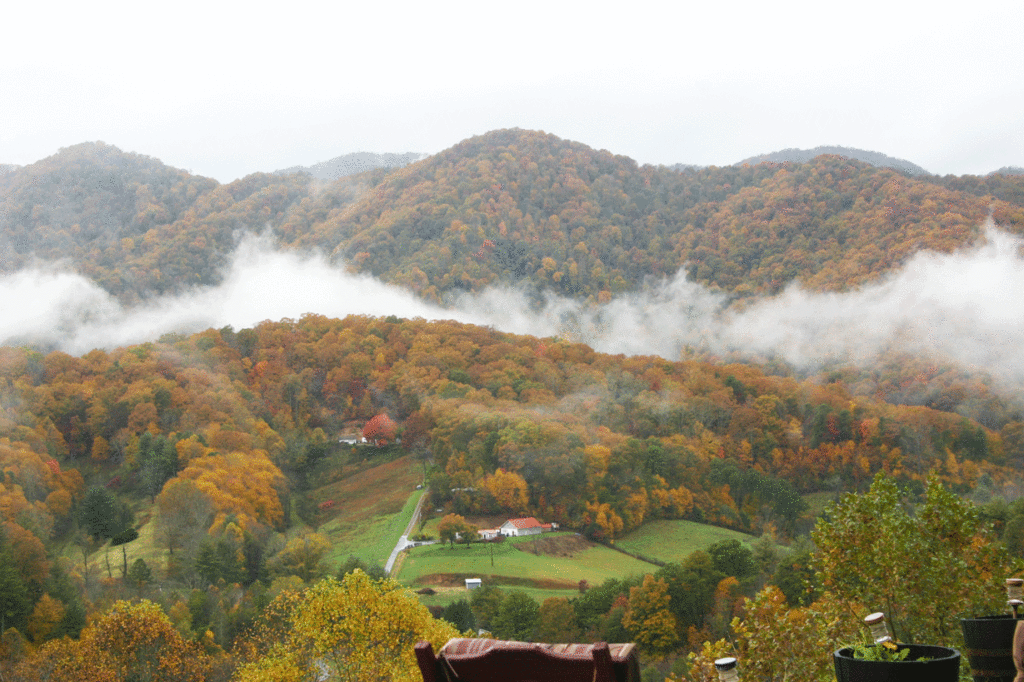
x,y
988,640
901,663
887,661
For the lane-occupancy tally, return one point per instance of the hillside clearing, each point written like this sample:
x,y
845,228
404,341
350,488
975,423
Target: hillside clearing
x,y
370,510
557,561
675,540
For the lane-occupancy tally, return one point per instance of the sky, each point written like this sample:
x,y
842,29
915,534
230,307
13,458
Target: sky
x,y
228,88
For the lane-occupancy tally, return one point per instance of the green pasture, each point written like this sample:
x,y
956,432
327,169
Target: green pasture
x,y
675,540
371,540
445,597
147,547
513,567
370,511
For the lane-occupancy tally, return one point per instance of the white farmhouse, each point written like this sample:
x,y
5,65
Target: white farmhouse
x,y
525,526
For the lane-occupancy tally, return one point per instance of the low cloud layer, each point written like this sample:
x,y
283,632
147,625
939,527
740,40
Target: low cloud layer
x,y
69,312
967,307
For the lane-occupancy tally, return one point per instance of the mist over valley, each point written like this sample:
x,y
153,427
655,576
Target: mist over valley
x,y
527,233
694,327
966,308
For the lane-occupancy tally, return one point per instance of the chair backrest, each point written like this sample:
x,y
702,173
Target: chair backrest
x,y
477,660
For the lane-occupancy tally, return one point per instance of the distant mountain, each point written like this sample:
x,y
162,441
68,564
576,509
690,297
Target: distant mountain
x,y
510,207
1008,170
527,208
804,155
6,171
350,164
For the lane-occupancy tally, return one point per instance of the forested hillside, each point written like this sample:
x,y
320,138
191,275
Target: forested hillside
x,y
805,155
228,431
511,206
595,442
214,450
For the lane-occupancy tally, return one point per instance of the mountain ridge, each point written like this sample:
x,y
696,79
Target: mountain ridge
x,y
804,155
353,163
511,207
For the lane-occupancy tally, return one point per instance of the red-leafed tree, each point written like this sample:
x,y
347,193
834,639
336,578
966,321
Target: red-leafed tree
x,y
380,430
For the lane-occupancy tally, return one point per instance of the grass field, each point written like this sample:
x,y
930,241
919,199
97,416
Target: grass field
x,y
447,595
373,503
561,561
371,510
147,547
675,540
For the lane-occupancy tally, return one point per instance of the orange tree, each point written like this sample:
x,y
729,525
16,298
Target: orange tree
x,y
380,429
454,526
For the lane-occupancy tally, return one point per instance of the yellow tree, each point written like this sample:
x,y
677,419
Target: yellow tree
x,y
128,642
454,526
243,484
648,616
303,556
46,614
556,621
509,490
355,630
606,523
776,642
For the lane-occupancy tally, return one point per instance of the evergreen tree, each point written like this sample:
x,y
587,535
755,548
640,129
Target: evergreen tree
x,y
460,615
254,559
15,600
158,463
104,515
517,617
140,573
219,561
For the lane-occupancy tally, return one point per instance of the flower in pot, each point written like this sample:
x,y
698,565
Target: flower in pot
x,y
887,661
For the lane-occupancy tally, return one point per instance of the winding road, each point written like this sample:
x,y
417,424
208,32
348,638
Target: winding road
x,y
404,541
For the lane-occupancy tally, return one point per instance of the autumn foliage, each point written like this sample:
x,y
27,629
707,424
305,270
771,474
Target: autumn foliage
x,y
130,641
356,629
508,206
380,430
217,437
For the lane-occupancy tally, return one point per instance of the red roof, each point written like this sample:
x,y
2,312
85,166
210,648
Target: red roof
x,y
528,522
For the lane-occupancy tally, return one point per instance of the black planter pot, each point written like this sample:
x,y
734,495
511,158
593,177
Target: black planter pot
x,y
942,665
988,644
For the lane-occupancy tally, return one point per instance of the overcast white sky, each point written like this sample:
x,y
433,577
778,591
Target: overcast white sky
x,y
226,89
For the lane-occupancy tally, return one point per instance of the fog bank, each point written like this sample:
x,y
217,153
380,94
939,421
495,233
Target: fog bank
x,y
966,307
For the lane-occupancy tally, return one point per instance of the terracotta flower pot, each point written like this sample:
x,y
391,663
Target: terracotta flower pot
x,y
942,665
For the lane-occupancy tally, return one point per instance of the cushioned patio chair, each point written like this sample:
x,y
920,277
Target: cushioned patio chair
x,y
480,660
